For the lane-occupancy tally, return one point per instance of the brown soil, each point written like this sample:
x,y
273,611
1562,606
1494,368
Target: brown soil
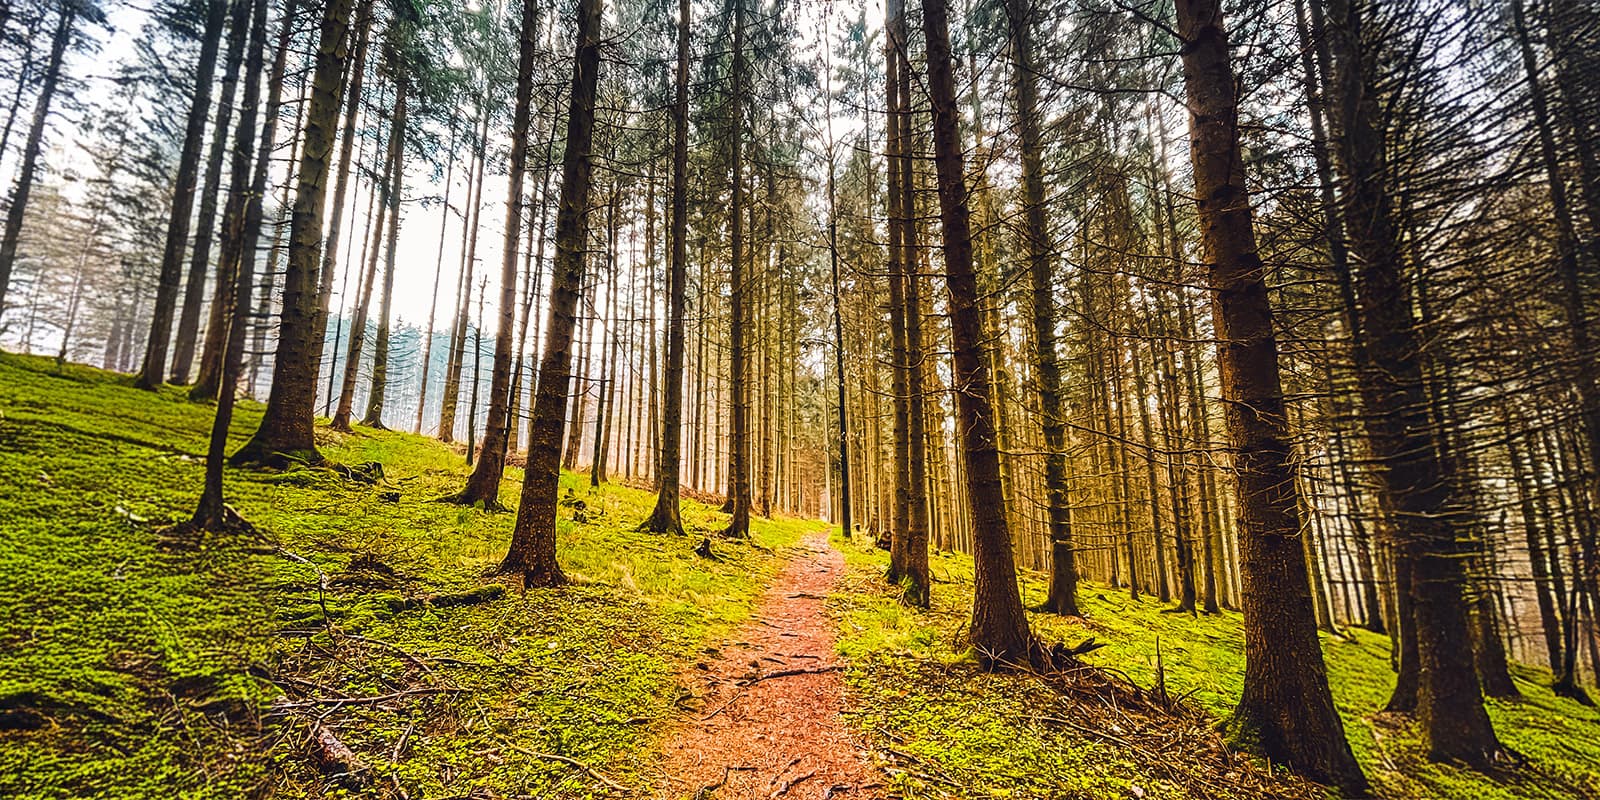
x,y
765,721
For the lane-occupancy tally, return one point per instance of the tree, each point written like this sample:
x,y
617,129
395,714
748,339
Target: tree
x,y
483,486
241,232
1063,598
153,372
208,380
1403,437
665,517
1286,707
67,15
738,311
532,552
394,192
999,630
287,428
194,287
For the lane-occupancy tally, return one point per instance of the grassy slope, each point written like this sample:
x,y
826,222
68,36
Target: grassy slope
x,y
977,726
140,648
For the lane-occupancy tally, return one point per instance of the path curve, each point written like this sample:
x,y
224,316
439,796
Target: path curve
x,y
766,720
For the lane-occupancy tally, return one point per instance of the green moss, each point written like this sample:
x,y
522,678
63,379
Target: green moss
x,y
892,647
142,653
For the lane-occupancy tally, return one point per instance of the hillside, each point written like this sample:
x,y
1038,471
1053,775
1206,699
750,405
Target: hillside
x,y
137,664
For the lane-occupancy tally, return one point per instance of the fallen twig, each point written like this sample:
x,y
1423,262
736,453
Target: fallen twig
x,y
783,790
366,701
789,673
592,772
705,792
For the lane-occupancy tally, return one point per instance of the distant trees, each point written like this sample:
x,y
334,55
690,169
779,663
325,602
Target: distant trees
x,y
68,16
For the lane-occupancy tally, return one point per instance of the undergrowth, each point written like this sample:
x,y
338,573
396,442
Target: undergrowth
x,y
138,664
917,690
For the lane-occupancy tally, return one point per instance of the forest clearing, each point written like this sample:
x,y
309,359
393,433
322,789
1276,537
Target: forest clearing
x,y
1137,399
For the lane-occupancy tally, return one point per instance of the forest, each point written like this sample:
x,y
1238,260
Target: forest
x,y
1012,399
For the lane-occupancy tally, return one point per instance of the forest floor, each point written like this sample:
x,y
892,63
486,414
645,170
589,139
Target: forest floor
x,y
356,648
914,688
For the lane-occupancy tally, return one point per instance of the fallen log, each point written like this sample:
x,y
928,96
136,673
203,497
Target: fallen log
x,y
486,593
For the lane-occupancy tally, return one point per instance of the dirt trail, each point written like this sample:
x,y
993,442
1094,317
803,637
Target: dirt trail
x,y
767,722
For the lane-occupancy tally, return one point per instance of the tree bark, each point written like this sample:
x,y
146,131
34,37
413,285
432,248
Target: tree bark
x,y
438,272
341,184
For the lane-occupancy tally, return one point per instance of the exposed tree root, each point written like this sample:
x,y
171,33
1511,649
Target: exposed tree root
x,y
462,498
704,550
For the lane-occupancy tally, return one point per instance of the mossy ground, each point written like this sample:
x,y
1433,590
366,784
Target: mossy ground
x,y
146,664
134,663
917,691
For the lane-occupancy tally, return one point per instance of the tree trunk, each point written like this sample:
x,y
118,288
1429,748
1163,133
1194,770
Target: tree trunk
x,y
666,517
341,184
1573,304
1286,708
395,193
739,414
898,128
287,428
241,231
1063,597
438,272
1450,704
154,369
999,630
372,253
194,287
458,331
483,486
209,378
533,540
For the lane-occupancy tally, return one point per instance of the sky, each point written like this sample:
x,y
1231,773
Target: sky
x,y
419,250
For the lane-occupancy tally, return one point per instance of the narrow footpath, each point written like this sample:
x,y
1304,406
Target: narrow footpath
x,y
764,721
